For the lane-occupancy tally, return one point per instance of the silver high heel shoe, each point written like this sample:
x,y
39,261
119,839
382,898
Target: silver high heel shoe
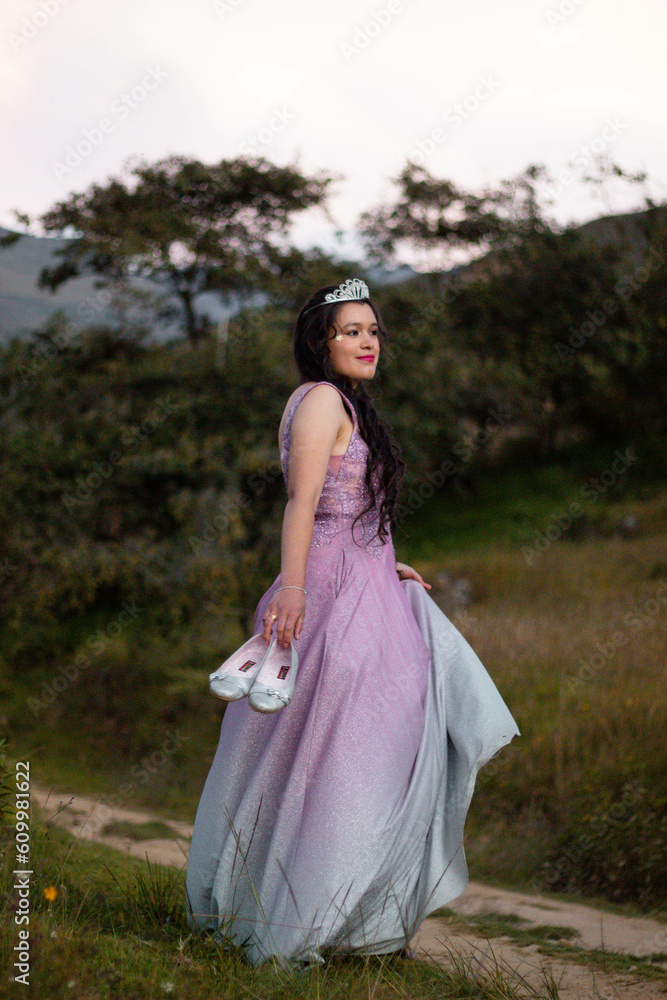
x,y
274,684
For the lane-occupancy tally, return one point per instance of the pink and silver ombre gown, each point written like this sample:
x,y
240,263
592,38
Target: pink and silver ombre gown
x,y
337,822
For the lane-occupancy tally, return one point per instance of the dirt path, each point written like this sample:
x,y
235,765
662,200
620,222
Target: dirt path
x,y
438,938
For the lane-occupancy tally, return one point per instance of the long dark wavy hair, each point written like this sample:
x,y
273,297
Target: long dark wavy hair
x,y
311,334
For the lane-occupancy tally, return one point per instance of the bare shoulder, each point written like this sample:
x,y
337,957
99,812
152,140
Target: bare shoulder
x,y
322,394
323,400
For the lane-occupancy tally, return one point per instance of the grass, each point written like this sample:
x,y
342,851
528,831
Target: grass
x,y
154,830
107,927
492,924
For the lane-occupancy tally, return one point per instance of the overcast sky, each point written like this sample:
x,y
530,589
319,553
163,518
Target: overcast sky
x,y
475,90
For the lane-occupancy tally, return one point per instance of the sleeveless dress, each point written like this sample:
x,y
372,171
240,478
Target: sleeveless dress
x,y
336,823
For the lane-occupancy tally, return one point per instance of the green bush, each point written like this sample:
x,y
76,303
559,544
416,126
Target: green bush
x,y
614,846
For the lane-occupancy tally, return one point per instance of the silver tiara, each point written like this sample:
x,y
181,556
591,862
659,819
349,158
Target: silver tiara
x,y
350,291
353,288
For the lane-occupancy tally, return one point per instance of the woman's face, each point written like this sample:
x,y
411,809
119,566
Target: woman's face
x,y
354,341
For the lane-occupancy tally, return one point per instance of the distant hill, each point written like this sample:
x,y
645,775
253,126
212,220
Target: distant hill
x,y
24,307
629,228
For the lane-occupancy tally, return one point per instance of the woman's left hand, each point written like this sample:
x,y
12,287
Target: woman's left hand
x,y
408,573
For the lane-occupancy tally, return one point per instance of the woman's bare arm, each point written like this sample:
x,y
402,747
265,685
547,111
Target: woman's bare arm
x,y
315,427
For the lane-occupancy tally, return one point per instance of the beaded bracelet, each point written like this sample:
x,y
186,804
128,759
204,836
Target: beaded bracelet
x,y
289,588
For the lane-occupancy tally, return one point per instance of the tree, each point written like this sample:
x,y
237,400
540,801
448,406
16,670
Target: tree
x,y
189,226
435,215
578,312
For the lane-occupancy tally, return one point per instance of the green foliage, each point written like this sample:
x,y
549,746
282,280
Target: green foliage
x,y
570,322
613,843
147,478
431,213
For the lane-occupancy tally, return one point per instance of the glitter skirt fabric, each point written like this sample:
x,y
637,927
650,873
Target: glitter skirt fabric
x,y
337,822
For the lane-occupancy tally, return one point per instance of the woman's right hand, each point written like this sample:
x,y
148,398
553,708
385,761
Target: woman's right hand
x,y
286,611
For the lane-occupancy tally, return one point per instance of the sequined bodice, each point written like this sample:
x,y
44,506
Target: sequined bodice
x,y
344,493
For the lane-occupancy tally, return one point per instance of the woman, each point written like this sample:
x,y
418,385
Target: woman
x,y
336,823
